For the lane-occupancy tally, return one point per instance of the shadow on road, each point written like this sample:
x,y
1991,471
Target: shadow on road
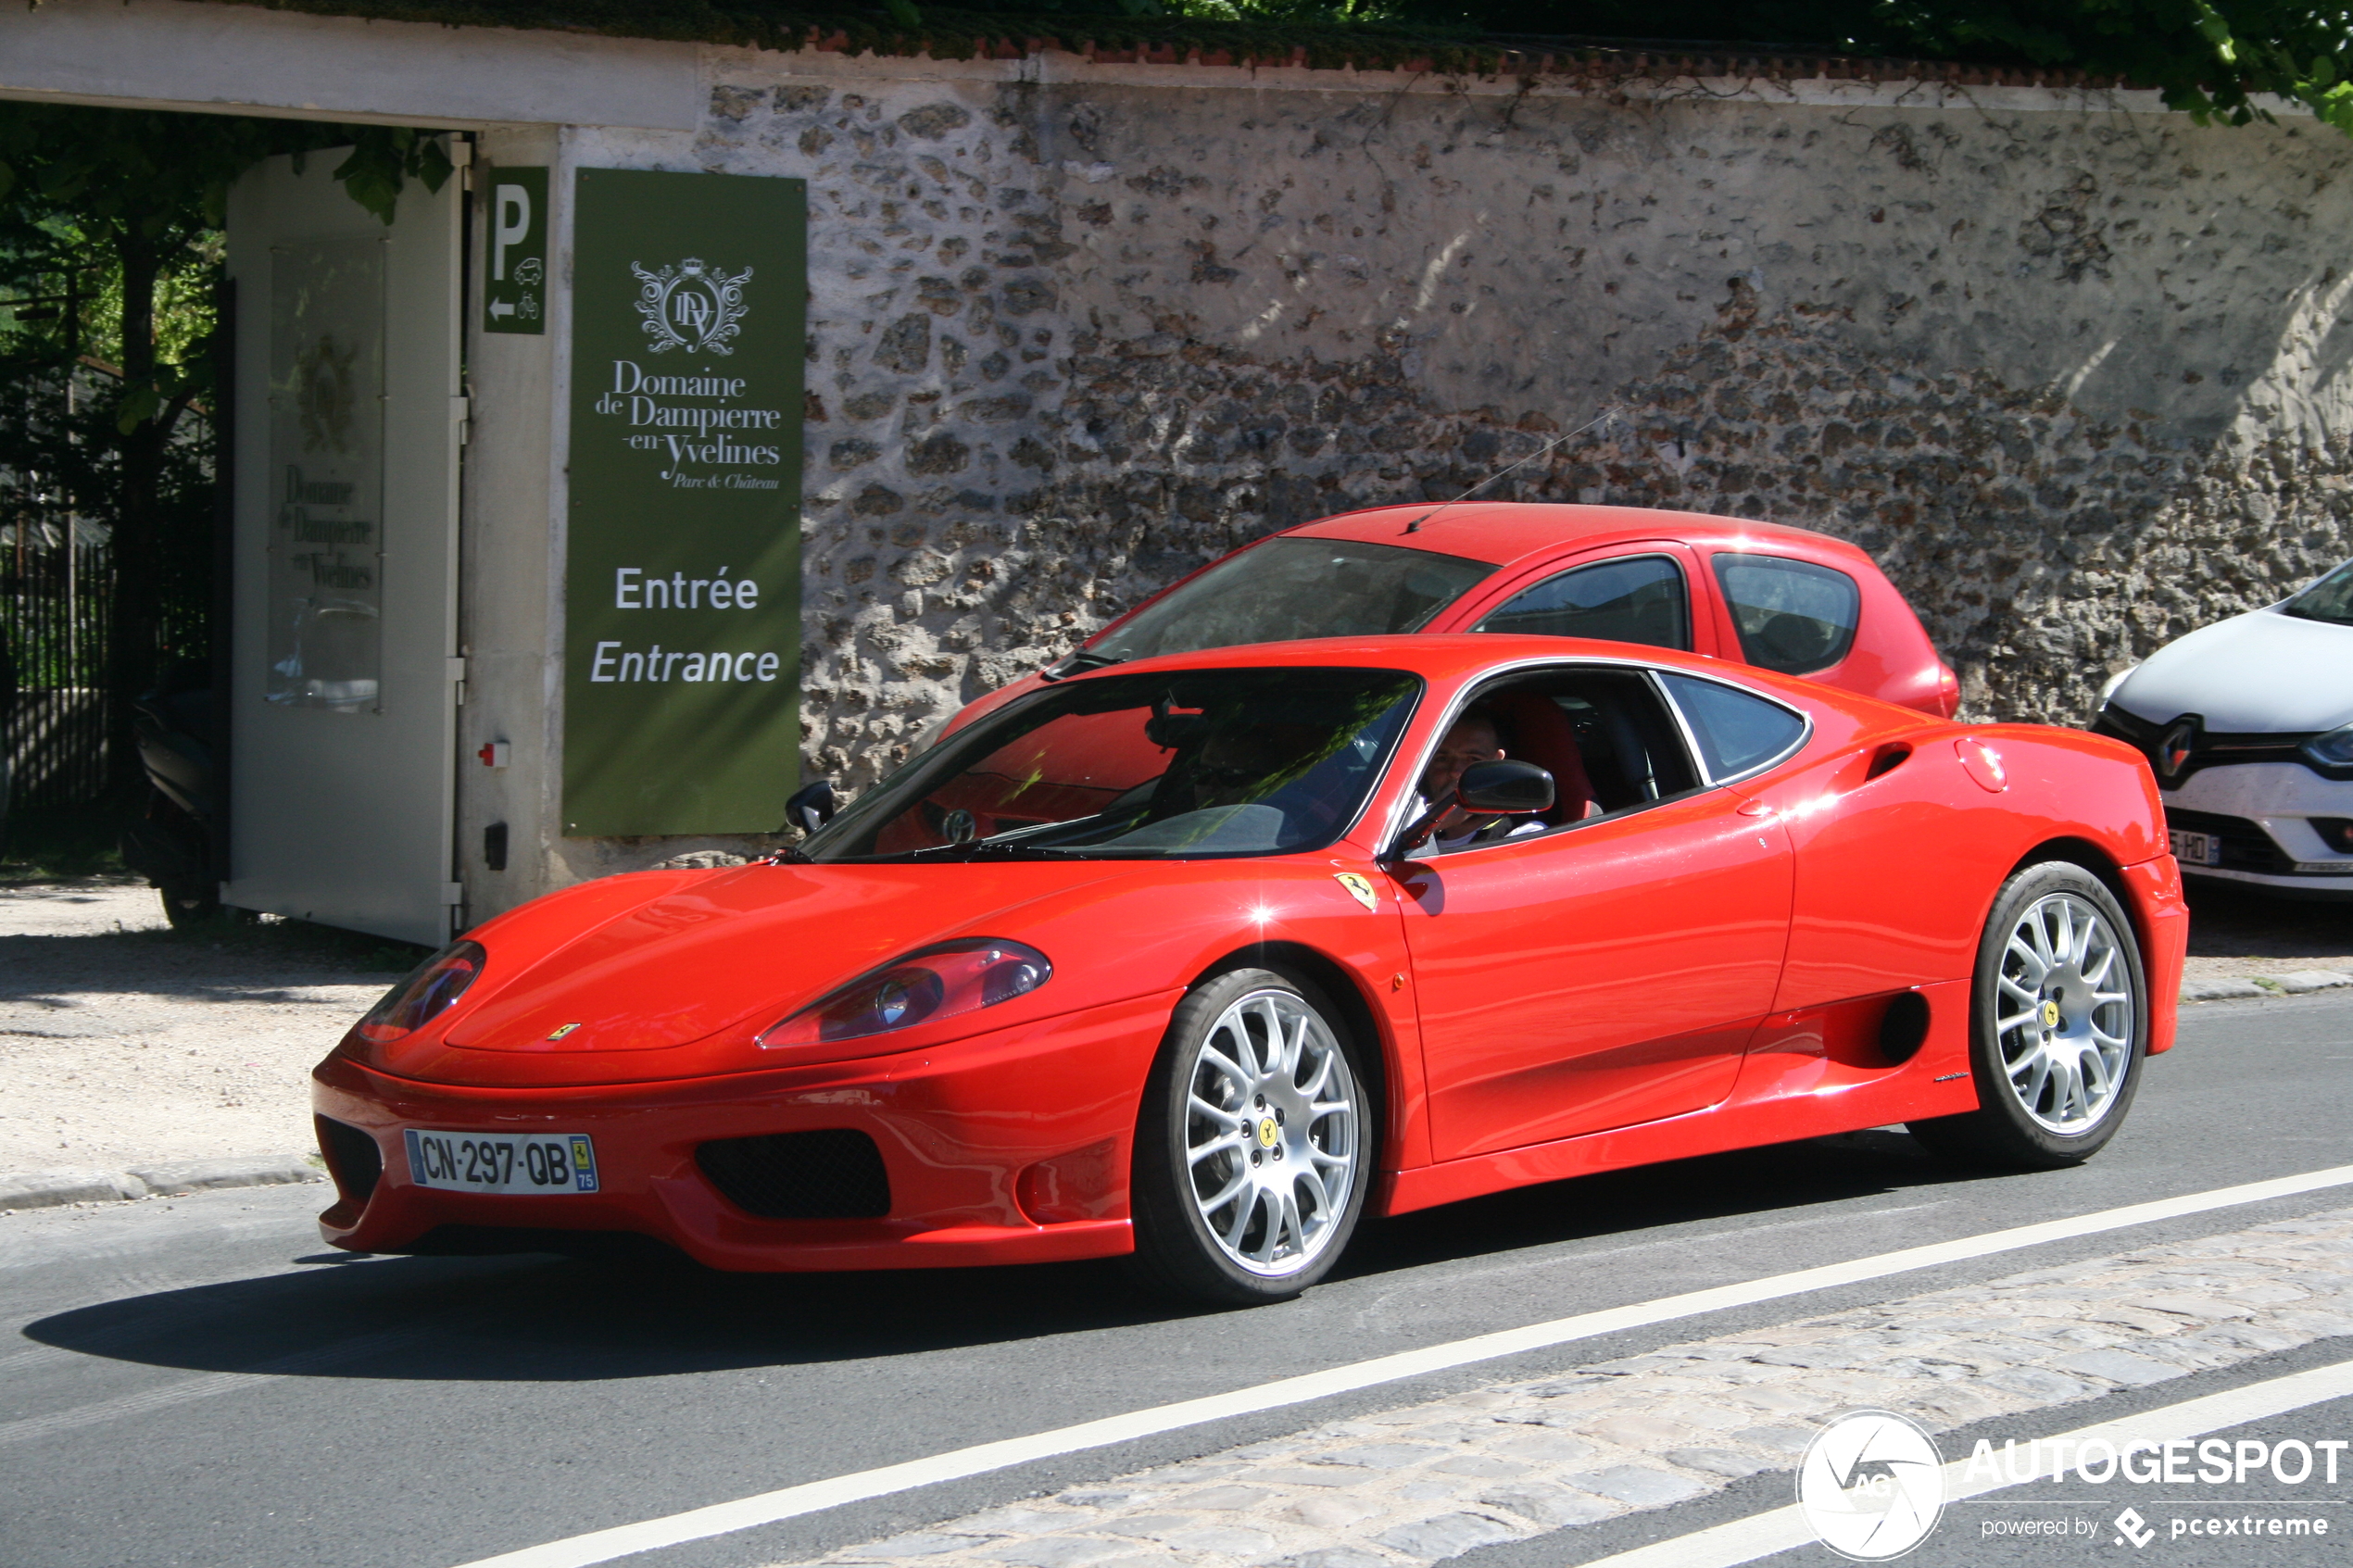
x,y
542,1319
2226,923
99,970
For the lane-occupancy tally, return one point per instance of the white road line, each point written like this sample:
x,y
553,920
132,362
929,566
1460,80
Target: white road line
x,y
1762,1535
1387,1306
35,1428
791,1502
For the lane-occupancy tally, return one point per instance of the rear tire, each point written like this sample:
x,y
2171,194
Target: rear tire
x,y
2059,1026
190,909
187,907
1256,1143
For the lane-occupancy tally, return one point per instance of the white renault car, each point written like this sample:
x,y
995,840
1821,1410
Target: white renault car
x,y
2249,724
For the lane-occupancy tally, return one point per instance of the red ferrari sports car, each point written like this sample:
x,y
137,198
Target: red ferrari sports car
x,y
1787,599
1175,958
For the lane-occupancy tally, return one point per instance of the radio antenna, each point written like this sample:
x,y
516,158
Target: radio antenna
x,y
1608,416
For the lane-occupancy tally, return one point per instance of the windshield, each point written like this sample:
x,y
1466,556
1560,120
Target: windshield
x,y
2330,600
1289,588
1200,762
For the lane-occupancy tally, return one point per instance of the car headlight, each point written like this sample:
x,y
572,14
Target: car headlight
x,y
2115,681
429,990
923,988
2333,750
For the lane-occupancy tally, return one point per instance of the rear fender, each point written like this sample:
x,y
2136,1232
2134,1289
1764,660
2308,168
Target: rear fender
x,y
2100,809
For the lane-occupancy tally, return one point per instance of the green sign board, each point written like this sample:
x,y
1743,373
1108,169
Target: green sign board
x,y
514,290
682,583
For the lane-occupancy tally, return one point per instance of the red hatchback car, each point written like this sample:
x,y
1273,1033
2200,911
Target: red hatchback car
x,y
1173,958
1785,599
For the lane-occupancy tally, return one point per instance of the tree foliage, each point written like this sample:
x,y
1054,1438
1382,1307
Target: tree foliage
x,y
110,256
2214,58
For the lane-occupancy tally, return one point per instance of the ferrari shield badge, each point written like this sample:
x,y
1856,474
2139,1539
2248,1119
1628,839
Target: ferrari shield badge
x,y
561,1033
1360,887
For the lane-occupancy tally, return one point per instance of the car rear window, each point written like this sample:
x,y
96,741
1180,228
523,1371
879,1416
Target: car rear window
x,y
1630,599
1289,588
1738,732
1792,615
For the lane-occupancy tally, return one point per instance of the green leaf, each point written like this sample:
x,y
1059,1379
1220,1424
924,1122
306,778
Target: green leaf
x,y
903,12
138,406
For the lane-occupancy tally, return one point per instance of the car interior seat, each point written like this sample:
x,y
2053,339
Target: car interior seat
x,y
1541,733
1794,644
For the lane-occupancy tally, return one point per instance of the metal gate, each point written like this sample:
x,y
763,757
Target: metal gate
x,y
56,584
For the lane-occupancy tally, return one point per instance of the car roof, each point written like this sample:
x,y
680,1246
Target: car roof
x,y
1441,657
1505,531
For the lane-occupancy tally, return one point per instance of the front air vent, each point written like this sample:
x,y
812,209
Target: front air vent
x,y
353,1159
833,1174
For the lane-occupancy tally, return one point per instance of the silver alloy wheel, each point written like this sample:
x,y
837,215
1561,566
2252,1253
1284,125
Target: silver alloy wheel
x,y
1271,1132
2064,1014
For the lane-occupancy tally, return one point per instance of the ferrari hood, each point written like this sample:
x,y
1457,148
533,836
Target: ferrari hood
x,y
742,945
2261,673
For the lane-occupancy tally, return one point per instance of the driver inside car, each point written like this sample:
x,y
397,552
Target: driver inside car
x,y
1474,738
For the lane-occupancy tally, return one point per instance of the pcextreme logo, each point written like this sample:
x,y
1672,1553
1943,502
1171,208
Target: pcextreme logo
x,y
1872,1486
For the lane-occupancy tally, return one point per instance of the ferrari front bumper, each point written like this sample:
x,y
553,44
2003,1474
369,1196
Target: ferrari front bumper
x,y
1008,1147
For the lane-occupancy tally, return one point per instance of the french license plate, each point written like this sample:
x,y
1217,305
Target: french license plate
x,y
2197,848
544,1162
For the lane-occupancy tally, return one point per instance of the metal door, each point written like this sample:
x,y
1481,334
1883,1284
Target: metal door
x,y
342,704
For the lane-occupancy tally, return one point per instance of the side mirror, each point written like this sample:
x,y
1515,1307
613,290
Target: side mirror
x,y
811,805
1504,789
1485,789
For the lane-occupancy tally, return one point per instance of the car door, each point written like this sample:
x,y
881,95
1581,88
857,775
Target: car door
x,y
1605,972
1650,591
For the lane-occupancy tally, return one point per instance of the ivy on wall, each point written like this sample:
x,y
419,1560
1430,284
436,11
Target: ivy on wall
x,y
2213,58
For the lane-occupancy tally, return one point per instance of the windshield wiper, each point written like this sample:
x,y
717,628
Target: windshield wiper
x,y
974,849
1078,663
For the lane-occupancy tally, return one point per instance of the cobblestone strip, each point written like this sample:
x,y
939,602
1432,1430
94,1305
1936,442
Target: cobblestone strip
x,y
1423,1483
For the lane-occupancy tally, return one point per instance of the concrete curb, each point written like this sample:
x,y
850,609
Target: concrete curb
x,y
51,1189
2296,982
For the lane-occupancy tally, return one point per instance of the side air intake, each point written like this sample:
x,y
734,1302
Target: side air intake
x,y
353,1159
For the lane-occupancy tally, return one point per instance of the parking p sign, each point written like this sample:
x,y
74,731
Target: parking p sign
x,y
514,292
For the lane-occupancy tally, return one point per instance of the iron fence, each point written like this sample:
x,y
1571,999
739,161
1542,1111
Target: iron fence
x,y
56,584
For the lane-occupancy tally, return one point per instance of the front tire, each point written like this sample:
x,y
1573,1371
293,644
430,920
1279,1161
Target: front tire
x,y
1256,1142
2059,1026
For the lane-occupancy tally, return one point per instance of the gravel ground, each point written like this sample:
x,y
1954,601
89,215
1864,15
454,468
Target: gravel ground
x,y
123,1042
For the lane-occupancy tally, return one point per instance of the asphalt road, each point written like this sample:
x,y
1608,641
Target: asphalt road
x,y
201,1382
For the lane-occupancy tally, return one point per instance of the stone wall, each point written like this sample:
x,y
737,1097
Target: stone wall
x,y
2072,368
